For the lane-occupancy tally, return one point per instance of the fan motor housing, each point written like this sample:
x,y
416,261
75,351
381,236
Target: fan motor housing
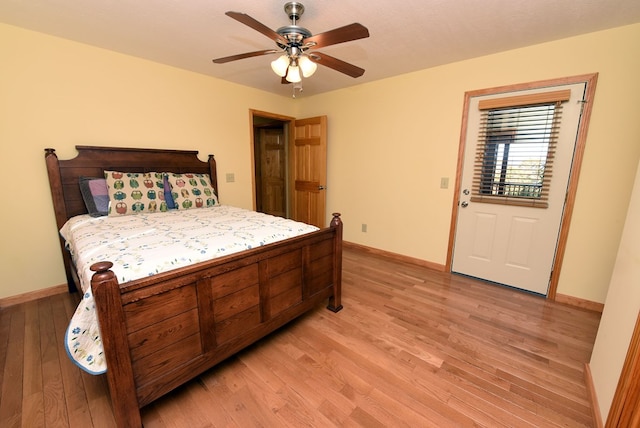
x,y
294,33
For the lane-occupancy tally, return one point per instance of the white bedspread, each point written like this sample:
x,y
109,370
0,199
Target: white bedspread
x,y
145,244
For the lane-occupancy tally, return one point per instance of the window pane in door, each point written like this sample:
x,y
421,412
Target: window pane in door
x,y
516,152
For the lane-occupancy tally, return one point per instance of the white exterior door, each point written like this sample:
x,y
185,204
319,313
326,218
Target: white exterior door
x,y
509,244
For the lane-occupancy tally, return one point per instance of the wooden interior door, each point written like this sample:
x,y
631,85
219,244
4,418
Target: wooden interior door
x,y
309,170
271,171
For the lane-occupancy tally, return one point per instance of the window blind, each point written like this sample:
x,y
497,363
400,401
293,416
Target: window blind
x,y
516,147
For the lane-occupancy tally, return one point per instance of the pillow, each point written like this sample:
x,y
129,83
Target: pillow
x,y
192,190
135,192
95,195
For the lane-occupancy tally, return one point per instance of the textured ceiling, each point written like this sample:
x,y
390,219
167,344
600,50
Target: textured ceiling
x,y
405,36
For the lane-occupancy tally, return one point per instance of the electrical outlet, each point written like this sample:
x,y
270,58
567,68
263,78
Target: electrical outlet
x,y
364,227
444,183
231,177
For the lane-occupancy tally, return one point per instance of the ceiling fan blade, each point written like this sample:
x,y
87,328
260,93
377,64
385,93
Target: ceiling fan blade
x,y
258,26
339,35
336,64
243,56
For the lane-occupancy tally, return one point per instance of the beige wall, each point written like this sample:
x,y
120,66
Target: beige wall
x,y
57,93
621,309
391,141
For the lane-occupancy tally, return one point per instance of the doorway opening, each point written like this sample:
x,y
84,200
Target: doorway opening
x,y
289,162
270,157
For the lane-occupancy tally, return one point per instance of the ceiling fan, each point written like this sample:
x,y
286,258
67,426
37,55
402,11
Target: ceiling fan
x,y
296,44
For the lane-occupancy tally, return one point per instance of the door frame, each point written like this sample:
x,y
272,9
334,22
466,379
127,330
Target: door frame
x,y
288,121
590,80
626,400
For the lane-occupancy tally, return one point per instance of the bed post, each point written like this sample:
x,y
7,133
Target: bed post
x,y
335,303
59,209
106,293
213,174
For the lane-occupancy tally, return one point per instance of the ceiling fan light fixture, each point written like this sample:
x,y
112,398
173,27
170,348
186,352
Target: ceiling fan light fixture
x,y
293,75
279,66
307,66
293,42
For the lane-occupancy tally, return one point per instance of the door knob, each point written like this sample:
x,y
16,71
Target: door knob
x,y
464,204
321,188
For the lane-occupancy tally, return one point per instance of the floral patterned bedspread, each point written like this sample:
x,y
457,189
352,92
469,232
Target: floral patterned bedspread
x,y
145,244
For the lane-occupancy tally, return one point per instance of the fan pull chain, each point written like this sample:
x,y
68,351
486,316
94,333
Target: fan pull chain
x,y
297,86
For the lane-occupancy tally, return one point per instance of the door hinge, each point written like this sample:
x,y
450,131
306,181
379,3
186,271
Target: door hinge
x,y
582,103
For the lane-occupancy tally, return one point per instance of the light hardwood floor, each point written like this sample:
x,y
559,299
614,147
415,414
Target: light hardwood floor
x,y
411,348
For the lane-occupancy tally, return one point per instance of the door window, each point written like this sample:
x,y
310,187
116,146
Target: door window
x,y
516,148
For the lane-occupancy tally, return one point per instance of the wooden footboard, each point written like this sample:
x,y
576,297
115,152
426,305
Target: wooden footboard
x,y
163,330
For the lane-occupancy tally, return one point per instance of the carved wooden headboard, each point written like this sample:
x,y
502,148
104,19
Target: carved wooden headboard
x,y
92,161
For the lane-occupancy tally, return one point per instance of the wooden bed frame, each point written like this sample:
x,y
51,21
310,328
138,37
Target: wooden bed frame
x,y
161,331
